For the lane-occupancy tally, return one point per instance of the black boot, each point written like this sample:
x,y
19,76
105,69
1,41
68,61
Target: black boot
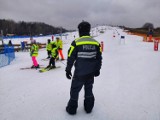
x,y
72,107
52,67
88,104
48,66
32,66
37,66
48,57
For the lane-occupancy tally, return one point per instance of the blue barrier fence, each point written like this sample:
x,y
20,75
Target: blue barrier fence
x,y
7,55
15,37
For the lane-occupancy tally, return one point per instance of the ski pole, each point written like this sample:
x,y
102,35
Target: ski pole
x,y
63,63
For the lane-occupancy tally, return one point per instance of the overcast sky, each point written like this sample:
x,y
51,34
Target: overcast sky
x,y
68,13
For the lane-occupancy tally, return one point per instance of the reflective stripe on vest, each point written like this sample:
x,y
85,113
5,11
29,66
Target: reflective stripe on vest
x,y
71,50
84,40
87,54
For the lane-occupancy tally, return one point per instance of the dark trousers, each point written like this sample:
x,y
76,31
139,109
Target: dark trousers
x,y
49,53
78,83
76,86
52,61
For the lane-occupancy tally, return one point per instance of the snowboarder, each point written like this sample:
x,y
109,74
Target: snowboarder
x,y
59,44
86,55
34,53
49,48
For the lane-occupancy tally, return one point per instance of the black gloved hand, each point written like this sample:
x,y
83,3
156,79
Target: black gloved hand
x,y
68,74
97,73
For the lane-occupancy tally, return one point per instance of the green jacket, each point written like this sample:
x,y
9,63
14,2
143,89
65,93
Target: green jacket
x,y
54,52
59,44
49,46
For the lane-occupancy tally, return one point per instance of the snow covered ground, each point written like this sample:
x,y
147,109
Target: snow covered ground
x,y
128,87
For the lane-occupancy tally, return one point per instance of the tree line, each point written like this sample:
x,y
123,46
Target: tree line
x,y
22,28
145,29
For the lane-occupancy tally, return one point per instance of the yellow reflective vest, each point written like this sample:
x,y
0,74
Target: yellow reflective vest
x,y
54,52
49,46
59,44
34,50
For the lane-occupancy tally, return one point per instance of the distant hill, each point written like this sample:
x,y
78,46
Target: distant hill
x,y
23,28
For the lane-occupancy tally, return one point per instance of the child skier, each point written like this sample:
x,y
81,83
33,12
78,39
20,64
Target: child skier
x,y
34,53
49,48
54,54
59,44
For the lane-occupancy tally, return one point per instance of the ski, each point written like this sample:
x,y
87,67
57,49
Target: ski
x,y
45,59
48,69
25,68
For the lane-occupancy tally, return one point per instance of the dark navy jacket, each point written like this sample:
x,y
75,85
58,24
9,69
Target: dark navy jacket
x,y
86,55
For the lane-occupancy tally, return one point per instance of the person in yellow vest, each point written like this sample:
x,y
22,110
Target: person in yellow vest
x,y
54,54
34,53
49,48
59,44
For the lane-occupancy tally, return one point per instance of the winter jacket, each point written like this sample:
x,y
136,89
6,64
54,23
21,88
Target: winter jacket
x,y
86,55
34,50
59,44
49,46
54,52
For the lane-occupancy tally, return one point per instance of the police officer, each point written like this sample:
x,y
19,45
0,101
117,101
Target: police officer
x,y
85,54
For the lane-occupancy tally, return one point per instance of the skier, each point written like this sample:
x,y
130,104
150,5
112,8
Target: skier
x,y
54,54
49,48
59,44
10,43
23,46
34,54
85,53
150,34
